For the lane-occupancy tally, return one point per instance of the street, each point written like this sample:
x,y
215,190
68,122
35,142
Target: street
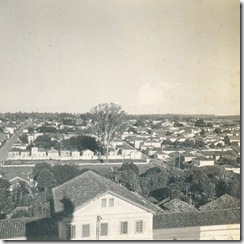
x,y
8,145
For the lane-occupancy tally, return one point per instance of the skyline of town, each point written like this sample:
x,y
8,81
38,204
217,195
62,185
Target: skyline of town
x,y
148,56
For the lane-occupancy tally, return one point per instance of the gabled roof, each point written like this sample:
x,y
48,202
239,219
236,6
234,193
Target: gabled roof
x,y
14,228
176,205
89,185
202,218
224,202
52,150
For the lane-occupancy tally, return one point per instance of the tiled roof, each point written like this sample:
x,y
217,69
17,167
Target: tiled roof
x,y
224,202
52,150
203,218
13,228
176,205
85,187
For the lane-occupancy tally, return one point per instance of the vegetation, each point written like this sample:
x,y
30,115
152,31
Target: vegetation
x,y
108,122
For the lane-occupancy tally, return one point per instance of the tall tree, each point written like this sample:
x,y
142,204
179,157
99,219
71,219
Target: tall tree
x,y
108,122
7,203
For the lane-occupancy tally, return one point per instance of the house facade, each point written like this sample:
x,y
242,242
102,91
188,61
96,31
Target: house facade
x,y
108,211
88,154
108,217
203,161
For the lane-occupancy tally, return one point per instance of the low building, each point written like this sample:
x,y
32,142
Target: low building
x,y
202,161
201,225
38,152
52,153
88,154
13,153
64,153
24,154
235,141
107,211
75,153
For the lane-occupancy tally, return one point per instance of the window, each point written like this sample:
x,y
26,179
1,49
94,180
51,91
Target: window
x,y
104,229
124,228
85,230
70,231
104,203
139,226
111,202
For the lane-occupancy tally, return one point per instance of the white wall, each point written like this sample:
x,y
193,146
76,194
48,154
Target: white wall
x,y
212,232
220,232
122,211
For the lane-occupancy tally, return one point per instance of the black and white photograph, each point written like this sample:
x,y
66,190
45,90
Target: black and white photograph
x,y
120,120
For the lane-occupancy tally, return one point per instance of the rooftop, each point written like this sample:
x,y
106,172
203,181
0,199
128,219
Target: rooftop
x,y
85,187
224,202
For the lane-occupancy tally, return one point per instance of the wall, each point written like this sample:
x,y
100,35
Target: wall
x,y
122,211
213,232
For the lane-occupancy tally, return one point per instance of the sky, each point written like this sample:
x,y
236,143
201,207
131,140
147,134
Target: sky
x,y
149,56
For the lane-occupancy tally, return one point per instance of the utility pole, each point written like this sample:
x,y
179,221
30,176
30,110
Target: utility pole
x,y
99,218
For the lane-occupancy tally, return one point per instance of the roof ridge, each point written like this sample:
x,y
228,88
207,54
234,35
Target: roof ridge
x,y
71,180
90,172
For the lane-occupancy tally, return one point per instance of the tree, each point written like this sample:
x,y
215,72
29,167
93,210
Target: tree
x,y
7,203
210,125
47,129
200,123
24,139
38,167
129,166
202,132
217,131
19,194
108,122
45,180
81,143
63,173
21,214
44,141
227,140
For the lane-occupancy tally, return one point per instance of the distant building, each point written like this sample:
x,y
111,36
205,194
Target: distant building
x,y
52,153
88,154
202,161
64,153
38,152
75,153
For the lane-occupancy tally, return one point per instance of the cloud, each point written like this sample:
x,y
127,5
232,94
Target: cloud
x,y
155,98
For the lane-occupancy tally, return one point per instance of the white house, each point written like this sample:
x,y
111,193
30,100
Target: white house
x,y
38,152
64,153
202,161
88,154
52,153
14,153
235,140
102,210
25,154
75,153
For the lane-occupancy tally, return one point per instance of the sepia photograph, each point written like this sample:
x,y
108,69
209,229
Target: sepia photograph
x,y
120,120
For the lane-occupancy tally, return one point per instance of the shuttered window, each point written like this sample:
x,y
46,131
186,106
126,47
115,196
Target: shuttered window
x,y
70,232
139,226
